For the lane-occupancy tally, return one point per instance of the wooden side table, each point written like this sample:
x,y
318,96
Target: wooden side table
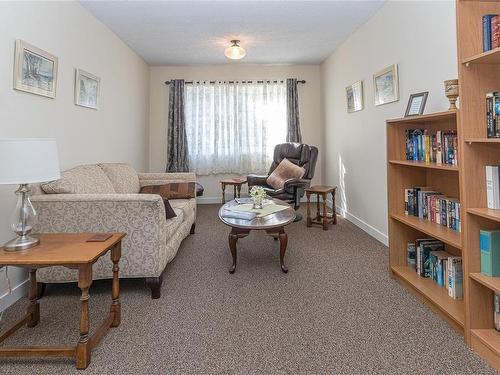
x,y
321,218
236,183
70,250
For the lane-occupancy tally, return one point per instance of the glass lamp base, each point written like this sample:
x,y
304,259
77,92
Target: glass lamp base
x,y
21,243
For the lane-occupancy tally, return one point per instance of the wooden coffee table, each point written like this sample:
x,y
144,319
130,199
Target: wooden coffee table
x,y
72,251
273,224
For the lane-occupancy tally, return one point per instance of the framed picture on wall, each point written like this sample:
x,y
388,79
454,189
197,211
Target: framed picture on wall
x,y
35,70
87,89
386,85
416,104
354,96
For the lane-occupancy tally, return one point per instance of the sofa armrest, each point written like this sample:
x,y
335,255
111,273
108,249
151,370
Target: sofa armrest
x,y
148,179
255,180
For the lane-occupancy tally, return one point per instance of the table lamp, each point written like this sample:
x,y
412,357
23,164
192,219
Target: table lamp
x,y
24,161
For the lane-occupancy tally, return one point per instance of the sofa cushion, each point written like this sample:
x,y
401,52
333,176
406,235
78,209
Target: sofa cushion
x,y
123,177
187,206
284,171
84,179
173,224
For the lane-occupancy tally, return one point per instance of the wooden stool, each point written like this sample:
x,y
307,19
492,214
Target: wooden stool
x,y
321,219
235,183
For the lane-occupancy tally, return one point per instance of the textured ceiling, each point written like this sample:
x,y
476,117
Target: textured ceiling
x,y
196,32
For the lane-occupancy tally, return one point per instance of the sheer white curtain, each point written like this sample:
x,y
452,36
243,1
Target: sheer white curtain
x,y
233,127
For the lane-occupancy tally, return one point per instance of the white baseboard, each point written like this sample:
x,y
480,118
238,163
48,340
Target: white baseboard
x,y
18,292
217,200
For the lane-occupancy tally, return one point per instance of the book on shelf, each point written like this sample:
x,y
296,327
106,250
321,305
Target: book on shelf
x,y
428,204
439,148
455,277
491,30
410,254
489,245
492,173
423,249
493,114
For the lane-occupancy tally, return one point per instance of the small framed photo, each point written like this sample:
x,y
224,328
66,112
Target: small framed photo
x,y
87,89
35,70
354,96
386,85
416,104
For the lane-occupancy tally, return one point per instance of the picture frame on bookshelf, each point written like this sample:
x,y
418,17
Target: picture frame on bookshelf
x,y
354,96
35,70
416,104
386,85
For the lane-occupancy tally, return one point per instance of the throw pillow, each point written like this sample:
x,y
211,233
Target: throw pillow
x,y
123,177
169,211
173,190
84,179
284,171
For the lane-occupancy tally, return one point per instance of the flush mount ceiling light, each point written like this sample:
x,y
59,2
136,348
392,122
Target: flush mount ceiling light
x,y
235,52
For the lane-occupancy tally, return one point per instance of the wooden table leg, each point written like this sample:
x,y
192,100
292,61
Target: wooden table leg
x,y
334,207
83,348
308,220
115,291
234,191
283,244
33,307
233,238
325,214
238,188
318,212
223,192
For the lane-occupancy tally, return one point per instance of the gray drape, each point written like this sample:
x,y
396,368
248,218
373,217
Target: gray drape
x,y
177,142
292,111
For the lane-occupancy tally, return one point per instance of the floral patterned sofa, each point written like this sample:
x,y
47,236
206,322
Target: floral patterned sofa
x,y
105,198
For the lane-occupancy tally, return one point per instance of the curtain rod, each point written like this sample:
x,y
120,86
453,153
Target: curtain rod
x,y
212,82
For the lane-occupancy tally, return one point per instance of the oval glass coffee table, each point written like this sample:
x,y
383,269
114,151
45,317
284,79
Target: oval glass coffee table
x,y
274,225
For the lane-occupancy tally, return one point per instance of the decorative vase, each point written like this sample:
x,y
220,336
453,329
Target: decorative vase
x,y
257,202
451,92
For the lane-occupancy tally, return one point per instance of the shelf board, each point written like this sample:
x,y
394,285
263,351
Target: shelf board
x,y
453,308
488,57
422,164
438,116
482,140
489,337
487,213
492,283
447,235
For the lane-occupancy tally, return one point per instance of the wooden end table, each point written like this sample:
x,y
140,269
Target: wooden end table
x,y
236,183
321,218
70,250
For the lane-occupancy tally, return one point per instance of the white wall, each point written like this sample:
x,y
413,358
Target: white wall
x,y
419,36
116,132
309,107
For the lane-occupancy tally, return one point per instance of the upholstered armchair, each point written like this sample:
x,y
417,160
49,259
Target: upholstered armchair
x,y
304,156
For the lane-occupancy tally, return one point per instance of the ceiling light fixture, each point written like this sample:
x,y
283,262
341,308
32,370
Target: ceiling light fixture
x,y
235,52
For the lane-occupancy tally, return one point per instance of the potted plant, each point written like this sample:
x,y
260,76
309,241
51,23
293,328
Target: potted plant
x,y
258,195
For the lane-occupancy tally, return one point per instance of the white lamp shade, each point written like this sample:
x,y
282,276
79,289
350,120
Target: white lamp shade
x,y
28,160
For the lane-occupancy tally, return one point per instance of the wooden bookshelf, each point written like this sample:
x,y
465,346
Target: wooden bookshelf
x,y
402,174
478,73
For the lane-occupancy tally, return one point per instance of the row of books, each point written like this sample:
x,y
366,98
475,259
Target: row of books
x,y
430,260
493,186
425,203
493,114
491,32
440,148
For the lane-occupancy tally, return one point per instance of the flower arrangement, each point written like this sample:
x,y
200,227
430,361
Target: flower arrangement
x,y
258,195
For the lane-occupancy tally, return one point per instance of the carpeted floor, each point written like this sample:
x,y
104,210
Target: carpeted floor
x,y
336,312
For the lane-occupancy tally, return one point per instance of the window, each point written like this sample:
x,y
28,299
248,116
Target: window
x,y
233,127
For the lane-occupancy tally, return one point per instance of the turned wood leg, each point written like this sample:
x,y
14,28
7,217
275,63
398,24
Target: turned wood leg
x,y
115,291
318,212
334,207
234,191
233,238
223,193
308,205
34,306
283,243
83,348
154,283
238,188
325,215
193,229
40,290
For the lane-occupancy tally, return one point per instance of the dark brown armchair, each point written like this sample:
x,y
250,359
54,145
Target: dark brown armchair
x,y
300,154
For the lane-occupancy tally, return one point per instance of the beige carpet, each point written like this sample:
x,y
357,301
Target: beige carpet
x,y
336,312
